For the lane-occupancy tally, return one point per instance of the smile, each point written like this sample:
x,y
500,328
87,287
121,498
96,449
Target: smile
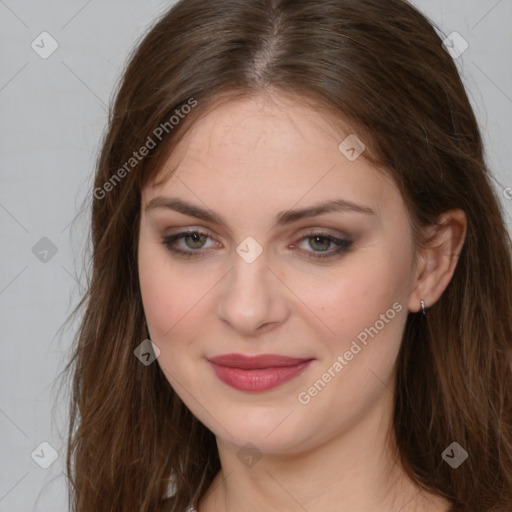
x,y
258,373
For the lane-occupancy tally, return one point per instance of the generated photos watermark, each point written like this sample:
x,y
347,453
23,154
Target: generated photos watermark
x,y
304,397
137,156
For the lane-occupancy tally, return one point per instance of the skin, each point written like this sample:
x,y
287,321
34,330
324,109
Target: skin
x,y
247,160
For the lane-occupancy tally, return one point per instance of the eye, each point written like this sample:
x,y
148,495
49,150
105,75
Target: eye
x,y
194,241
320,243
196,238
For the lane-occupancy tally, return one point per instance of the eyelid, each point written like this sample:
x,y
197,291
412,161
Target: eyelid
x,y
342,244
335,233
190,229
300,233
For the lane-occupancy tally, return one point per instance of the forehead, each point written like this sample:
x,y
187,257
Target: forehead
x,y
275,149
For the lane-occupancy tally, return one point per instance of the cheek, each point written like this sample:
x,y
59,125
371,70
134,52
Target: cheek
x,y
170,305
163,298
369,315
365,307
177,302
354,296
169,300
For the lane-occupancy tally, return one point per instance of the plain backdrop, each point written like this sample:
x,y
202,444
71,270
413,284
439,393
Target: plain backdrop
x,y
53,114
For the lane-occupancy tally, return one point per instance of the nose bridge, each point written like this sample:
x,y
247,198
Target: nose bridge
x,y
249,297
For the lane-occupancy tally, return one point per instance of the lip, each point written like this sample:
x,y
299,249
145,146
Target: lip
x,y
257,373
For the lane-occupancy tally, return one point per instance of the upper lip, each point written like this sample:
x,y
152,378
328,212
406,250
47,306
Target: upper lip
x,y
254,362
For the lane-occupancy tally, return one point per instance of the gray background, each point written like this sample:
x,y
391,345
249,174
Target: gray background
x,y
53,113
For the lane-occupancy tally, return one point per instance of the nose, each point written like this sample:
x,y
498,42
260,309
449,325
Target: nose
x,y
253,298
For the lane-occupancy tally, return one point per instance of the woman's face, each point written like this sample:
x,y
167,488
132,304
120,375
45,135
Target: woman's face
x,y
331,288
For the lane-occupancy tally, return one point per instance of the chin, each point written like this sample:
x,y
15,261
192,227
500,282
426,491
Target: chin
x,y
269,433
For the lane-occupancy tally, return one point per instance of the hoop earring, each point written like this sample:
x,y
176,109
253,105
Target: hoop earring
x,y
423,310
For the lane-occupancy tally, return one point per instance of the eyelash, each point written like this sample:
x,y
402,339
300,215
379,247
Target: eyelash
x,y
344,245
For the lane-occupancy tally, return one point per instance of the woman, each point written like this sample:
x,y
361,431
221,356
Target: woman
x,y
301,285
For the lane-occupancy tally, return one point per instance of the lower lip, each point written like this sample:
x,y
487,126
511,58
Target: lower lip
x,y
258,379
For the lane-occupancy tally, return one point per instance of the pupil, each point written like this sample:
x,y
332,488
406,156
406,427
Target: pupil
x,y
196,238
317,238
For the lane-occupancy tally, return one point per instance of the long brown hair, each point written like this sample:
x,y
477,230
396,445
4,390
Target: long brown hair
x,y
381,67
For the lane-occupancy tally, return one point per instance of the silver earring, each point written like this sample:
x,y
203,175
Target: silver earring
x,y
422,307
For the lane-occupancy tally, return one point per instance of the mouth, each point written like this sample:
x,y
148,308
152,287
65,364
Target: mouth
x,y
257,373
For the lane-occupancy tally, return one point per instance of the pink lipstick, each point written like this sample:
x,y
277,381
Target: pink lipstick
x,y
257,373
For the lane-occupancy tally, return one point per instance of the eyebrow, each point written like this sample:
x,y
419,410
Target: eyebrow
x,y
282,218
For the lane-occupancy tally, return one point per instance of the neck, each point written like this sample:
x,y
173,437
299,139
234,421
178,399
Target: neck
x,y
356,470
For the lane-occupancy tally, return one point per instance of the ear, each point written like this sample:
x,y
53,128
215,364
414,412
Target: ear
x,y
438,258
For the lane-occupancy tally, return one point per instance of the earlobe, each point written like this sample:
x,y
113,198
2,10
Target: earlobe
x,y
438,258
